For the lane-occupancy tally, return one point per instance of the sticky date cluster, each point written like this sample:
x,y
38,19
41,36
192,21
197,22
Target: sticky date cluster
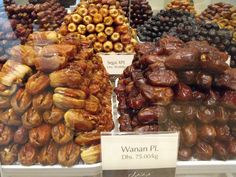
x,y
55,99
185,87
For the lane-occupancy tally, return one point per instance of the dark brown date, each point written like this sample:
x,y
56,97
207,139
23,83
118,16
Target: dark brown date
x,y
160,95
21,135
125,123
198,96
206,114
203,151
222,115
189,134
229,99
185,153
176,112
136,102
232,148
183,92
207,133
220,151
204,80
155,114
228,79
147,128
212,98
222,132
188,77
163,78
183,59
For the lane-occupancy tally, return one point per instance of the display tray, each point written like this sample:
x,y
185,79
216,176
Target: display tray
x,y
183,168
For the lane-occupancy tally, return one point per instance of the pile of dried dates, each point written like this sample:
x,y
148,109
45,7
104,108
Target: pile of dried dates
x,y
55,99
221,13
184,5
184,87
140,11
102,22
49,15
185,26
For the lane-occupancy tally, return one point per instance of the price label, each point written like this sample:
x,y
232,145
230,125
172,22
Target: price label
x,y
132,155
116,63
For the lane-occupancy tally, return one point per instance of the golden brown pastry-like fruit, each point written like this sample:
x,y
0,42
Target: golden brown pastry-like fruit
x,y
97,46
97,18
109,30
122,29
9,117
90,28
91,155
129,48
87,20
31,118
118,47
92,37
104,12
125,38
102,37
92,11
21,101
113,13
79,120
9,154
108,46
89,138
76,18
42,101
82,11
6,134
115,37
40,136
37,83
28,155
119,20
100,27
62,134
72,27
48,154
21,135
81,29
108,21
68,154
53,116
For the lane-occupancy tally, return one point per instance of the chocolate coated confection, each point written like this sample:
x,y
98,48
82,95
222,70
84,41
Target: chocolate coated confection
x,y
140,12
197,98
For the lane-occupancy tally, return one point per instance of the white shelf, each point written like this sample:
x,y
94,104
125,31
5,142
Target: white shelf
x,y
184,169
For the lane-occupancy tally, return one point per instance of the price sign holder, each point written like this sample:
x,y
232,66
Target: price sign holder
x,y
116,63
139,154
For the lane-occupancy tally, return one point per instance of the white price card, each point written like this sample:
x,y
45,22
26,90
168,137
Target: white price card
x,y
116,63
139,155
